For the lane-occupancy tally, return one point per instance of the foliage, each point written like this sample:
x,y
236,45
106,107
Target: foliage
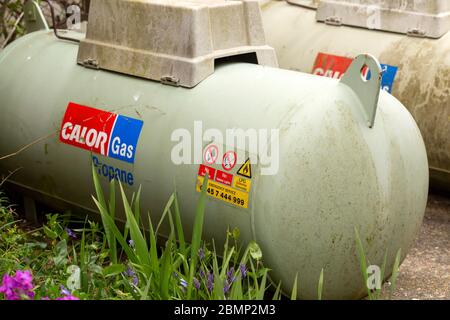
x,y
12,25
179,270
10,11
90,262
375,294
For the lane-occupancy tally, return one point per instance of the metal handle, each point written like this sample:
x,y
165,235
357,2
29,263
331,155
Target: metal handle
x,y
367,90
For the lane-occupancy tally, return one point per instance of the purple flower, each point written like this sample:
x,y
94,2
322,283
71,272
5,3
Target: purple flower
x,y
70,233
68,297
135,280
131,243
226,287
18,287
230,275
209,281
243,270
201,253
201,273
64,291
183,283
129,272
196,284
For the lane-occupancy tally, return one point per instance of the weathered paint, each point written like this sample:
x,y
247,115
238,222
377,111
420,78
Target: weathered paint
x,y
422,83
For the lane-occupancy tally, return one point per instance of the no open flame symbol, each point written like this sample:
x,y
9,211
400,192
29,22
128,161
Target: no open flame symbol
x,y
229,160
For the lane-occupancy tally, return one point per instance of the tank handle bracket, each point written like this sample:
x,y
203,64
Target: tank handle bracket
x,y
364,79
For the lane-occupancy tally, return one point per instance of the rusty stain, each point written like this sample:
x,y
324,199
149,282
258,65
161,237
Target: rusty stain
x,y
137,112
424,88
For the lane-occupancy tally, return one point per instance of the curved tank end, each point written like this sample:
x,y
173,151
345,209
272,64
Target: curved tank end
x,y
309,221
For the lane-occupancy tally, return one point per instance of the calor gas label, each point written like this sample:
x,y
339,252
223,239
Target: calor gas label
x,y
101,132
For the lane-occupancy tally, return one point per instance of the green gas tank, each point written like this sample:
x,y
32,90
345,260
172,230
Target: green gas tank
x,y
150,107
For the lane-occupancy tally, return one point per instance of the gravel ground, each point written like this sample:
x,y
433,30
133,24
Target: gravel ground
x,y
425,273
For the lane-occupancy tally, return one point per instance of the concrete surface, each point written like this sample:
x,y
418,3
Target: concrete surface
x,y
425,273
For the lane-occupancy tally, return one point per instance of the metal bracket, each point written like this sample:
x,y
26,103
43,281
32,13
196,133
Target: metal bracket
x,y
367,90
34,18
415,32
333,21
171,81
91,63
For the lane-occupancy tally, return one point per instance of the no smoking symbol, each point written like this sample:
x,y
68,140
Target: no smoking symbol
x,y
211,154
229,160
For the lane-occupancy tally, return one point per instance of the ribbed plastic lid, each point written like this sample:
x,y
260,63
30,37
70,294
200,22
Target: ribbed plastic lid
x,y
421,18
172,41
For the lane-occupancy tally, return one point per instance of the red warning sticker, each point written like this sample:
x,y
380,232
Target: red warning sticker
x,y
203,170
229,180
224,178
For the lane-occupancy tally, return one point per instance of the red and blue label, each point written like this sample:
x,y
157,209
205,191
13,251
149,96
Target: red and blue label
x,y
332,66
106,133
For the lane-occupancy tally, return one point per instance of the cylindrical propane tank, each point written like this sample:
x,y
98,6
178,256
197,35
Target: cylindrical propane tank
x,y
337,164
417,69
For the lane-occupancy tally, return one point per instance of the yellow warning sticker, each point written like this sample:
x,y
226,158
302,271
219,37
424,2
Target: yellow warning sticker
x,y
224,193
242,183
246,169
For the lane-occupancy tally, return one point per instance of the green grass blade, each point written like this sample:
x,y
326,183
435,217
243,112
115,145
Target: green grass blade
x,y
277,294
135,232
112,198
137,207
362,261
165,212
320,286
112,212
118,235
197,235
383,270
154,262
101,200
253,275
218,280
179,226
166,269
98,188
83,275
395,272
236,288
226,262
113,270
294,288
262,286
144,294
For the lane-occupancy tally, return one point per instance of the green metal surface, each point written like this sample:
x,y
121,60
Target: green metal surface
x,y
335,173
